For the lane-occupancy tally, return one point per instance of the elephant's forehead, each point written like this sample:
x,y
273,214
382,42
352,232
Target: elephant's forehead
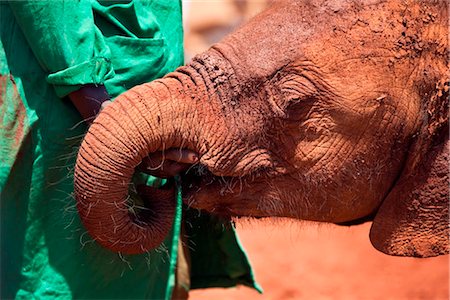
x,y
271,39
298,30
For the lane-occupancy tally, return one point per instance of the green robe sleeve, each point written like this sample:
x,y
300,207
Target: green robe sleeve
x,y
65,41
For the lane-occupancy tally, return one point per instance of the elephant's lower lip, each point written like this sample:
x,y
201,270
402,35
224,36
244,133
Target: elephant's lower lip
x,y
200,180
196,178
205,191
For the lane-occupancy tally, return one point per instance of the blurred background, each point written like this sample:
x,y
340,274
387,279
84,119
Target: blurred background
x,y
302,260
207,21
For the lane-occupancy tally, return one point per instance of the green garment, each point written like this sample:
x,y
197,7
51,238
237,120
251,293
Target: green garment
x,y
49,49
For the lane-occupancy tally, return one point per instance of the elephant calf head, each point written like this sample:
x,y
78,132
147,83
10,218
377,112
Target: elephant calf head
x,y
328,111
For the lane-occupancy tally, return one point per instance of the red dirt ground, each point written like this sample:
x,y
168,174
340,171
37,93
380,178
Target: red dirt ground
x,y
310,261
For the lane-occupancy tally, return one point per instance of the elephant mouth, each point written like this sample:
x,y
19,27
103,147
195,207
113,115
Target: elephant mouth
x,y
217,194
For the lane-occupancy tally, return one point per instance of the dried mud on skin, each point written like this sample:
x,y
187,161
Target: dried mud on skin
x,y
13,118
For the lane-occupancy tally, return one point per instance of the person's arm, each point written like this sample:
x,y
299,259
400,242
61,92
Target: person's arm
x,y
89,100
65,41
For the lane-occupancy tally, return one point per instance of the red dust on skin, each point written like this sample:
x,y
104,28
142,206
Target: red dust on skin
x,y
13,117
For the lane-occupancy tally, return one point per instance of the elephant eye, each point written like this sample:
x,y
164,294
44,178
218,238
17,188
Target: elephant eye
x,y
298,108
297,92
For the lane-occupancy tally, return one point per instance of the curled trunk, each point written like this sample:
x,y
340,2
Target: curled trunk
x,y
189,109
146,119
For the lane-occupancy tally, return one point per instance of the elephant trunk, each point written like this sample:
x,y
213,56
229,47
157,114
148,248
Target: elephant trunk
x,y
148,118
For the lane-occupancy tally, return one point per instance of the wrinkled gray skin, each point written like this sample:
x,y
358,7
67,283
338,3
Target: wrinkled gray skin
x,y
329,111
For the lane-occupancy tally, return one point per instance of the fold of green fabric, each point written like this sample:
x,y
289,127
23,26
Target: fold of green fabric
x,y
65,41
217,256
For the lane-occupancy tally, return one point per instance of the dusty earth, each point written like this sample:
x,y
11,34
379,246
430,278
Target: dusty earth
x,y
311,261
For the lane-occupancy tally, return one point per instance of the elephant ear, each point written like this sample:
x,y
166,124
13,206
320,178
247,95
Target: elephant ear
x,y
414,218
